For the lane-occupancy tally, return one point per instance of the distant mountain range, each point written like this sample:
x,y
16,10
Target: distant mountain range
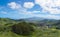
x,y
37,19
32,19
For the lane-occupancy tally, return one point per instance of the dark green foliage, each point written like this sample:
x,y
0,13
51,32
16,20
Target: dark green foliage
x,y
58,27
22,28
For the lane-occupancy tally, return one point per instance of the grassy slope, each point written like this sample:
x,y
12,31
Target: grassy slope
x,y
37,33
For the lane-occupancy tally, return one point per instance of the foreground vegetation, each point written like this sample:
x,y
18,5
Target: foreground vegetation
x,y
37,33
21,28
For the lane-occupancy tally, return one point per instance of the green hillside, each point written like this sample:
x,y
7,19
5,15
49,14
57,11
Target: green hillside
x,y
21,28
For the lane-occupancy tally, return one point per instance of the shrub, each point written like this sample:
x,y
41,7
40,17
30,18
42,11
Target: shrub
x,y
22,28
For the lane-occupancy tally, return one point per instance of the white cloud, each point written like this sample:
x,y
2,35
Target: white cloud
x,y
23,11
48,16
14,5
28,13
3,12
28,4
52,16
19,8
52,6
36,11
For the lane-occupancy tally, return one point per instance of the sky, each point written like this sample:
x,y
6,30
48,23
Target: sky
x,y
17,9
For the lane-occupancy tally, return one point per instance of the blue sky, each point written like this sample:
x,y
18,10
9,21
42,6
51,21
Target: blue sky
x,y
17,9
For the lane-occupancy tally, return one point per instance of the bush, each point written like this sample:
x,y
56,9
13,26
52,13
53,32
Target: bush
x,y
58,27
22,28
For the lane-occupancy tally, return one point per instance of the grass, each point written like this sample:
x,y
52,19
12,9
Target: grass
x,y
38,33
